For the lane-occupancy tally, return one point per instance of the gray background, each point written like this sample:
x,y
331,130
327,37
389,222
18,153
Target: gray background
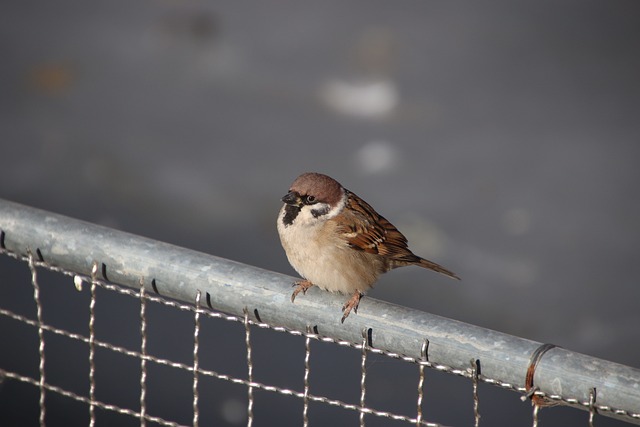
x,y
501,137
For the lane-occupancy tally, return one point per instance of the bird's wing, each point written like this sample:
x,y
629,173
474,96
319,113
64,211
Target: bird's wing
x,y
366,230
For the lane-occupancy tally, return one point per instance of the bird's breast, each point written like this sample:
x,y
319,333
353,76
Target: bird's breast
x,y
319,255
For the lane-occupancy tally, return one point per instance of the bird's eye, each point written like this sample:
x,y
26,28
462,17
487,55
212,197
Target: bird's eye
x,y
310,199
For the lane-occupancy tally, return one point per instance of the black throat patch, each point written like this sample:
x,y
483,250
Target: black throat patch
x,y
290,214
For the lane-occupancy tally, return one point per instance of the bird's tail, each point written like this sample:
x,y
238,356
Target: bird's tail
x,y
425,263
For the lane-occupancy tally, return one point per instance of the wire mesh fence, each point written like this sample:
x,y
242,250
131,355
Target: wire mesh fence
x,y
146,275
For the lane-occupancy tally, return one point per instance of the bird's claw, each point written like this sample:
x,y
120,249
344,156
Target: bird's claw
x,y
301,286
351,304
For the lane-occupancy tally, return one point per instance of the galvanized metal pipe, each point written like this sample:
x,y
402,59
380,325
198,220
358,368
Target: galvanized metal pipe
x,y
231,286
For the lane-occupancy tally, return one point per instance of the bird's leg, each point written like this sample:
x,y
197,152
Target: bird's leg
x,y
351,304
301,286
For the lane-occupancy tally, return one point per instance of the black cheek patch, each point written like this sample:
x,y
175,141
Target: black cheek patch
x,y
290,214
319,212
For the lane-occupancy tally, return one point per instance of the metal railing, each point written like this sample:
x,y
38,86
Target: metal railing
x,y
209,286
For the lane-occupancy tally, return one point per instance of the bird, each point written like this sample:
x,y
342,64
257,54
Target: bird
x,y
338,242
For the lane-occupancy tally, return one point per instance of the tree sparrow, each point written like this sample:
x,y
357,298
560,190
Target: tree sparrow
x,y
336,241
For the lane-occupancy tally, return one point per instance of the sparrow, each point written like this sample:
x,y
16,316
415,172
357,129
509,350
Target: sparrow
x,y
338,242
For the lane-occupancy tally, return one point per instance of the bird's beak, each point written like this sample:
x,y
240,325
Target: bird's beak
x,y
292,198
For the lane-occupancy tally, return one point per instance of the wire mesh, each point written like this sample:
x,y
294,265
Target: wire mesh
x,y
92,342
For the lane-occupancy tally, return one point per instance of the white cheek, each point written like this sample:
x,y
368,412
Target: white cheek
x,y
305,217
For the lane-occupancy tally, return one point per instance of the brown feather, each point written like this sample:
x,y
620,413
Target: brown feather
x,y
366,230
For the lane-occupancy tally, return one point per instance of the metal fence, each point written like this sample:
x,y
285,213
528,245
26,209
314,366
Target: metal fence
x,y
98,259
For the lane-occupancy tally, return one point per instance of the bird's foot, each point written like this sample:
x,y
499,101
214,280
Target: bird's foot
x,y
301,286
351,304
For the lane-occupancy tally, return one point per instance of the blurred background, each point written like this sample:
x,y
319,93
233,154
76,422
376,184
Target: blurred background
x,y
502,138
